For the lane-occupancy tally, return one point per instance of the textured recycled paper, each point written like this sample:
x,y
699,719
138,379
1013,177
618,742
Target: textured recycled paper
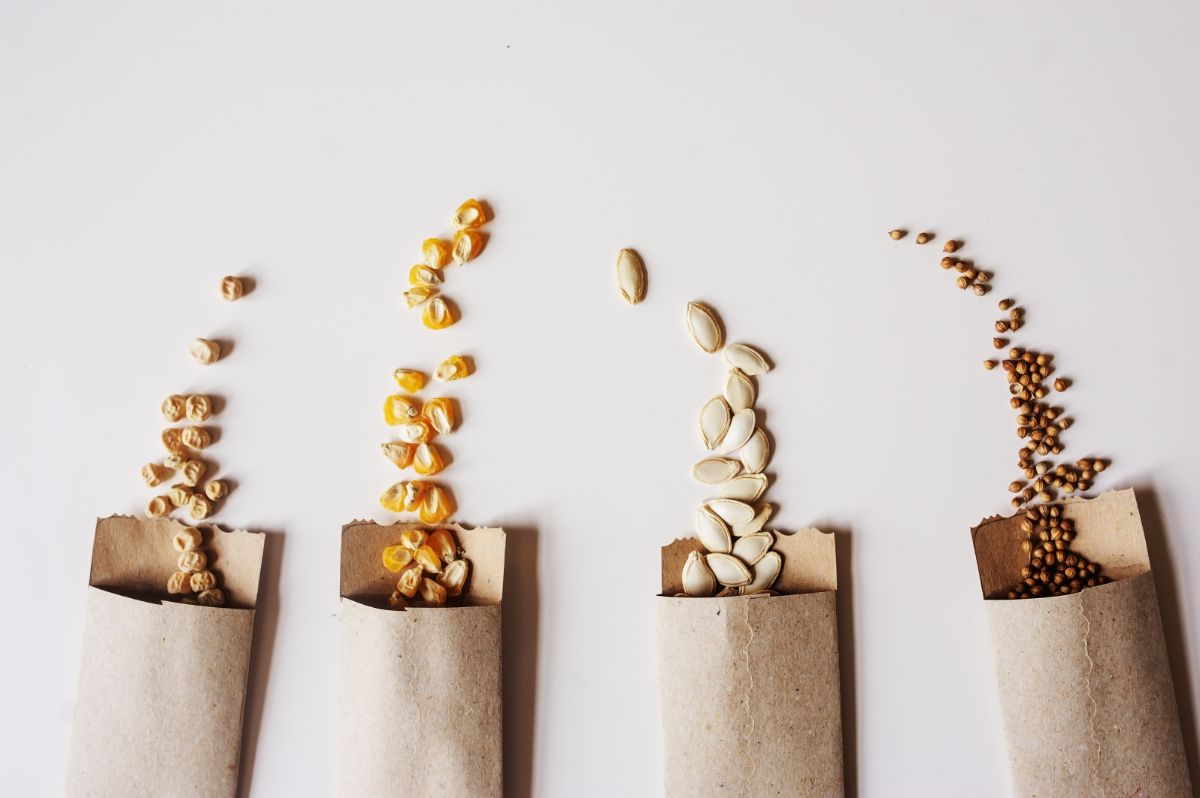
x,y
1085,690
419,690
751,697
162,685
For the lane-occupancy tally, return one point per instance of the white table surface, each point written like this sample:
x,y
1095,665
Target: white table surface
x,y
755,155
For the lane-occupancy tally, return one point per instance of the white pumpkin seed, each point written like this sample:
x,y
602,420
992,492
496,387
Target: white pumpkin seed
x,y
729,570
739,390
711,531
751,548
704,327
631,276
756,452
739,430
747,488
746,358
714,421
766,571
761,514
731,511
698,578
715,470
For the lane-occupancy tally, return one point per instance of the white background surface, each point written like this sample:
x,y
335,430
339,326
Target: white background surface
x,y
755,155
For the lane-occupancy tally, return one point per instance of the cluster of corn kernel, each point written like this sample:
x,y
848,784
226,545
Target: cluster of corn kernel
x,y
184,445
417,426
425,277
739,559
193,581
430,565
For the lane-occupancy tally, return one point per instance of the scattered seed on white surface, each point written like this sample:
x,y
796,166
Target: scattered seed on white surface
x,y
712,532
714,421
756,452
698,578
740,428
731,511
631,276
715,470
747,358
739,390
704,327
747,488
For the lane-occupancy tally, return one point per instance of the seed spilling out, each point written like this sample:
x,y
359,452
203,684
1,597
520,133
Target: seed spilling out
x,y
739,390
752,548
704,327
747,488
454,577
712,532
631,276
715,418
766,571
756,452
729,570
731,511
741,427
746,358
762,514
698,578
715,470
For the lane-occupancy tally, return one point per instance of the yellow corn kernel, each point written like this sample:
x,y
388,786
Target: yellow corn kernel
x,y
415,431
173,407
410,580
437,314
179,495
414,494
440,414
422,275
467,246
412,538
470,214
427,459
436,505
442,542
428,559
393,498
436,252
409,379
396,557
454,577
454,367
158,507
419,294
433,593
196,438
153,474
191,472
400,409
399,453
173,440
199,506
396,601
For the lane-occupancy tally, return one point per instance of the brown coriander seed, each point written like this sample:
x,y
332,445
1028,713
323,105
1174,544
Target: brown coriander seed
x,y
1001,326
1060,384
925,237
951,246
980,289
962,282
1005,304
947,263
989,364
999,343
897,234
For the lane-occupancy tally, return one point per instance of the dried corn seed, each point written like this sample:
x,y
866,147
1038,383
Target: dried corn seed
x,y
436,505
631,276
714,421
442,542
951,246
396,601
213,597
741,427
766,571
179,495
437,314
747,358
427,459
715,470
698,578
410,580
747,488
199,506
409,379
435,252
158,507
454,577
704,327
173,407
173,440
454,367
469,214
418,295
216,489
187,538
415,431
413,538
924,238
198,407
731,511
729,570
414,494
740,392
751,548
400,409
711,531
203,580
204,351
191,472
762,513
755,452
196,438
399,453
467,246
422,275
440,414
428,559
433,593
179,583
231,288
396,557
192,561
897,234
393,498
153,474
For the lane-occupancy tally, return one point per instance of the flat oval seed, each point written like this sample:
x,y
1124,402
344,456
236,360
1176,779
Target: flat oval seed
x,y
729,570
698,579
756,452
731,511
703,325
747,488
715,470
741,427
752,548
631,276
746,358
712,532
714,421
739,390
766,571
762,513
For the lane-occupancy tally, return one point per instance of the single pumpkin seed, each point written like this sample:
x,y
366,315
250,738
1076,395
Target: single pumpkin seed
x,y
747,358
752,548
756,452
739,430
766,571
698,578
739,390
747,488
729,570
731,511
704,327
715,470
712,532
762,513
714,421
631,276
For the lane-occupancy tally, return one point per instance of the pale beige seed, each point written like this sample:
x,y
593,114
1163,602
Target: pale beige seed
x,y
704,327
454,577
199,507
173,407
198,407
741,427
172,439
715,417
179,583
731,511
698,578
204,351
203,580
756,452
158,507
432,592
752,548
729,570
740,392
153,474
191,472
766,571
747,488
187,539
715,470
192,561
762,514
213,597
179,495
711,531
746,358
231,288
196,438
631,276
216,489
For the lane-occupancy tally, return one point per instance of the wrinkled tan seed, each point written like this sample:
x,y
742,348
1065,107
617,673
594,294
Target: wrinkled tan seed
x,y
198,407
204,351
704,327
187,539
631,276
231,288
216,489
153,474
213,597
173,407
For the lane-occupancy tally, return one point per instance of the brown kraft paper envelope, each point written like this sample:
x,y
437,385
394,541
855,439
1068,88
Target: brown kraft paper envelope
x,y
751,697
1085,690
419,690
162,685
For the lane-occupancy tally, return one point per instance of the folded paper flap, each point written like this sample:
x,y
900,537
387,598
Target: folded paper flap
x,y
809,562
1108,530
136,556
366,580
